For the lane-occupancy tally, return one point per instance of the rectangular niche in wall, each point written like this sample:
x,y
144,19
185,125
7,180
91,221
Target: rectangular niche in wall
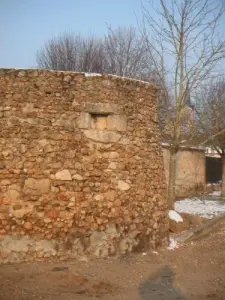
x,y
102,117
99,121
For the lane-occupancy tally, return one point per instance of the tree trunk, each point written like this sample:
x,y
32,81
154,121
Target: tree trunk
x,y
172,178
223,176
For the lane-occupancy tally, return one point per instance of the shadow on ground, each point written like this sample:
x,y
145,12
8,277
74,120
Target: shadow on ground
x,y
159,286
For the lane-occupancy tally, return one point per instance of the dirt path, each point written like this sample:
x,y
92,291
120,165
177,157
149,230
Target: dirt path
x,y
194,271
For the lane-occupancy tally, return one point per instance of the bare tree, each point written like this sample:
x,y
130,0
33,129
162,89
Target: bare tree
x,y
121,52
70,52
211,112
185,48
126,54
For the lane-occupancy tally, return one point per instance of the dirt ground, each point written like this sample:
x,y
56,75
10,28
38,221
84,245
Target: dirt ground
x,y
194,271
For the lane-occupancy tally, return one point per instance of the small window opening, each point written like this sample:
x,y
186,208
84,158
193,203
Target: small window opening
x,y
99,121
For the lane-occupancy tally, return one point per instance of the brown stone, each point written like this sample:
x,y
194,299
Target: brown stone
x,y
118,202
6,201
52,214
178,227
63,175
112,165
4,255
21,73
17,206
36,187
2,216
67,78
5,182
12,195
19,210
28,225
117,122
193,220
78,177
123,186
102,136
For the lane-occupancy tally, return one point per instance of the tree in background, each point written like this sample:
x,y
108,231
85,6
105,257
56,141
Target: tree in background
x,y
70,52
121,52
211,119
126,54
179,49
184,46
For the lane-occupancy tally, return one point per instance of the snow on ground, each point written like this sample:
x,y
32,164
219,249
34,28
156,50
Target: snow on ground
x,y
205,208
173,244
216,193
173,215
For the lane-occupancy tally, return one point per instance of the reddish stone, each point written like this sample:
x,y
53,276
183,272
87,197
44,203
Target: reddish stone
x,y
52,214
4,255
27,225
2,216
118,202
6,201
64,197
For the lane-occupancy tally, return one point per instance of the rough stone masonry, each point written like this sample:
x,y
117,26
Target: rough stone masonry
x,y
81,167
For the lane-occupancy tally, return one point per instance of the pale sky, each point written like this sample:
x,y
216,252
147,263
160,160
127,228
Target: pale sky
x,y
26,24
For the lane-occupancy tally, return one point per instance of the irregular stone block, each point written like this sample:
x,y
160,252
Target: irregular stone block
x,y
13,195
117,122
28,225
103,108
112,165
67,78
84,121
36,186
113,155
97,237
19,209
21,74
102,136
78,177
126,245
28,108
42,143
123,186
63,175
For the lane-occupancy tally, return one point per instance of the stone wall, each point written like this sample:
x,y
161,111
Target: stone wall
x,y
190,171
81,167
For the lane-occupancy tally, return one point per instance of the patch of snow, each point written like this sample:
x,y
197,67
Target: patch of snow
x,y
92,74
173,215
205,208
165,144
173,244
216,193
116,76
132,79
123,77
